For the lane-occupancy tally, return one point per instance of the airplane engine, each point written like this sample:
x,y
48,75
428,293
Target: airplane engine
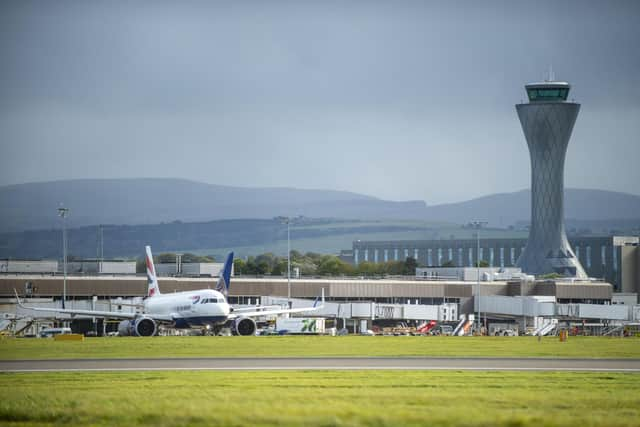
x,y
140,327
244,326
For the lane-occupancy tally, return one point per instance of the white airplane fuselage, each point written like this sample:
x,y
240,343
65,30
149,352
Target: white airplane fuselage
x,y
205,307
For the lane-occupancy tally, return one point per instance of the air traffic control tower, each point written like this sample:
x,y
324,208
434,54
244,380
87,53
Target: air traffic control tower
x,y
547,121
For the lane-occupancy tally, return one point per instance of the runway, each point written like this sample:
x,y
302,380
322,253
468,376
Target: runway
x,y
323,363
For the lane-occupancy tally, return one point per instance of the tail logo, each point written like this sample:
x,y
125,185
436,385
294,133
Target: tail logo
x,y
225,276
150,267
152,281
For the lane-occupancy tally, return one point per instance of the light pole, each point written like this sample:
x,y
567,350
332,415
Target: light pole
x,y
63,213
287,220
478,225
289,260
101,248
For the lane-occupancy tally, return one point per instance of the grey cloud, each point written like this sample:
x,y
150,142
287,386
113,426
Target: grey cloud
x,y
400,100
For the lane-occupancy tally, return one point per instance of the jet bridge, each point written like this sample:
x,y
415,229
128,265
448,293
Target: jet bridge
x,y
447,312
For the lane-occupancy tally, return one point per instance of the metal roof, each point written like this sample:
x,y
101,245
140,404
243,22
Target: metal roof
x,y
129,286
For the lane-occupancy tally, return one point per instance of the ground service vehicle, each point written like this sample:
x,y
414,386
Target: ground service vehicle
x,y
52,332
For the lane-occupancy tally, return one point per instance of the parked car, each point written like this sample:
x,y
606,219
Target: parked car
x,y
505,333
442,330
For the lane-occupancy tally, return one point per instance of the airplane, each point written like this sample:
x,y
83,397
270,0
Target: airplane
x,y
207,308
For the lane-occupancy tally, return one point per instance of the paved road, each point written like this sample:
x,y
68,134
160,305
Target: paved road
x,y
318,363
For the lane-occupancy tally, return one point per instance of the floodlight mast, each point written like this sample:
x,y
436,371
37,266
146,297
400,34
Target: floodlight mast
x,y
287,220
477,225
63,213
289,261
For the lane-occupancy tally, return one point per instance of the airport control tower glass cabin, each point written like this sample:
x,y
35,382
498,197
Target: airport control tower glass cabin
x,y
547,121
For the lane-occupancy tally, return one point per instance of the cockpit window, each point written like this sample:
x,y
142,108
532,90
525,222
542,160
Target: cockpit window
x,y
209,301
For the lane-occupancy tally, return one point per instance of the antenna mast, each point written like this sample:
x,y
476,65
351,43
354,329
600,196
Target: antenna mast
x,y
552,76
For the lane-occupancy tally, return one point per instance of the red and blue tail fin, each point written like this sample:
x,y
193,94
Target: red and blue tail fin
x,y
152,280
225,276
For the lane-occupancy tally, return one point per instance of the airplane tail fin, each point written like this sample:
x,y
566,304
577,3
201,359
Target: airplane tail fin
x,y
315,303
152,280
225,276
18,299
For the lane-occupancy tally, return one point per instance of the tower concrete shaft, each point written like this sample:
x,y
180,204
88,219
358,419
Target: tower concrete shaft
x,y
547,121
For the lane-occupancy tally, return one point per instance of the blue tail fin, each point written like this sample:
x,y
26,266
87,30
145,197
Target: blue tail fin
x,y
225,276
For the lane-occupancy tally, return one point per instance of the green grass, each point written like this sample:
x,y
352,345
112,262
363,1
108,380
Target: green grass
x,y
321,398
129,347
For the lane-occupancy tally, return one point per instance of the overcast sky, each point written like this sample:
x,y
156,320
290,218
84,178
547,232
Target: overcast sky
x,y
400,100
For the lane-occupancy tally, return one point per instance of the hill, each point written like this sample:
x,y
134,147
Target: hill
x,y
502,210
244,236
156,200
164,200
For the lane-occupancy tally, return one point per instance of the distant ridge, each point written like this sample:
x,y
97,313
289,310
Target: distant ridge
x,y
504,209
157,200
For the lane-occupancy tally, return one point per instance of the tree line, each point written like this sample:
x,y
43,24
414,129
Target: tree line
x,y
308,264
313,264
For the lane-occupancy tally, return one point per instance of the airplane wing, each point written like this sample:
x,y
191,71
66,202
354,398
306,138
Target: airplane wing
x,y
255,308
270,312
90,313
127,304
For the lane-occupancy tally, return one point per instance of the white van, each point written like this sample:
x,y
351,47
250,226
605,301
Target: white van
x,y
51,332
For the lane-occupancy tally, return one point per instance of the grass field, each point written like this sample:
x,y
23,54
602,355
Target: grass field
x,y
321,398
129,347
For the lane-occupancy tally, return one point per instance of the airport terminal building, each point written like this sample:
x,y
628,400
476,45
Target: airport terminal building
x,y
503,295
357,304
613,259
